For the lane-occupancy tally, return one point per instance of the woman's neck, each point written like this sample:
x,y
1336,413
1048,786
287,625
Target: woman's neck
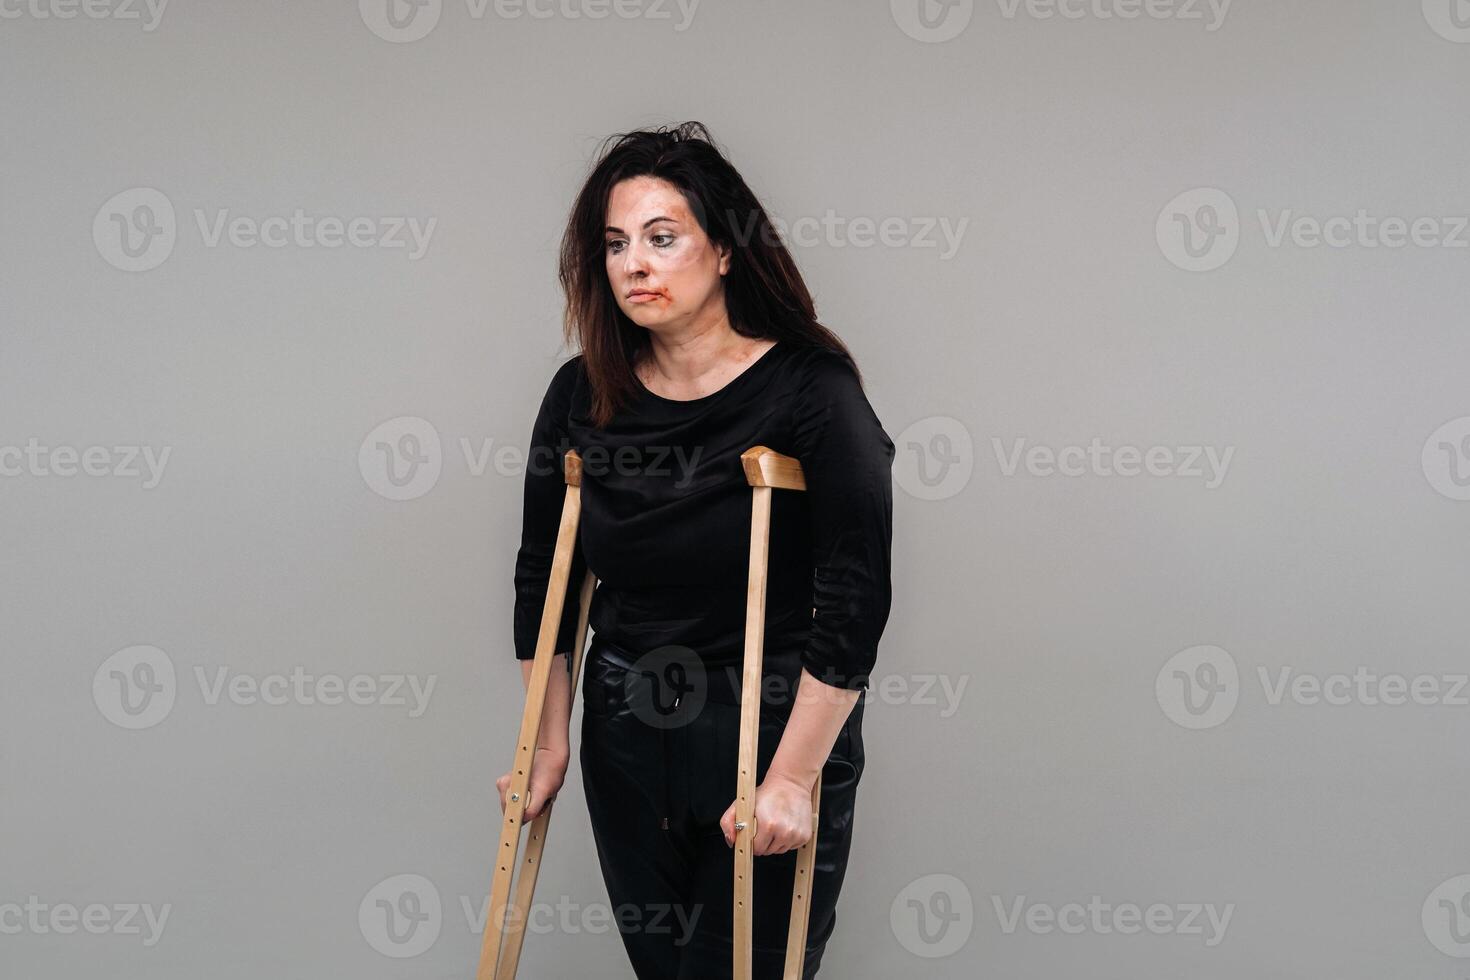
x,y
690,367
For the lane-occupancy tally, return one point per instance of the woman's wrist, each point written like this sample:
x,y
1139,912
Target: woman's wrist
x,y
554,753
803,780
811,731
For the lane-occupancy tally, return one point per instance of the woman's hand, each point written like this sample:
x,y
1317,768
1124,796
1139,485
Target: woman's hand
x,y
549,761
783,816
548,770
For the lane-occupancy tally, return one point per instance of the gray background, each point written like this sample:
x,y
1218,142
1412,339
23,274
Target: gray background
x,y
1334,542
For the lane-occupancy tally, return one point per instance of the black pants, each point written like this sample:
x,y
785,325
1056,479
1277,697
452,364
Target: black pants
x,y
658,769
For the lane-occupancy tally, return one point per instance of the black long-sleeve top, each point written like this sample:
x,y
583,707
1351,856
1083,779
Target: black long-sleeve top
x,y
665,523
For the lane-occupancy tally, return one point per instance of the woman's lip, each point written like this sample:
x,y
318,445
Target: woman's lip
x,y
642,297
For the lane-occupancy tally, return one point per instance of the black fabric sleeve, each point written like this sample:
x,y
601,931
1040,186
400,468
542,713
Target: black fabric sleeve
x,y
847,459
544,496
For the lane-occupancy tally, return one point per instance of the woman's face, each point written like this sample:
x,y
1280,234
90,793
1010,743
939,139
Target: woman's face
x,y
663,269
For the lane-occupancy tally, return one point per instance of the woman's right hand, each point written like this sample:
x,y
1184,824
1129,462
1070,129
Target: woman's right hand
x,y
548,771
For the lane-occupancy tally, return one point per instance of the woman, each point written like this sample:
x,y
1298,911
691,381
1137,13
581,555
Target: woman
x,y
698,341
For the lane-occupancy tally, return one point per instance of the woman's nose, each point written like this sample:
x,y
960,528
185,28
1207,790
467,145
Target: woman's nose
x,y
634,260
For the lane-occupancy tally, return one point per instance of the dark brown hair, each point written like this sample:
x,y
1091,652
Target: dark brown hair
x,y
764,292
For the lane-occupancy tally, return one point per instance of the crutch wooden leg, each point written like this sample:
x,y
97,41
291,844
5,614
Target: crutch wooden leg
x,y
525,887
510,828
801,895
765,470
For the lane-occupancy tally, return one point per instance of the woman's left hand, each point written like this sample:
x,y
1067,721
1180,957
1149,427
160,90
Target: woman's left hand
x,y
783,816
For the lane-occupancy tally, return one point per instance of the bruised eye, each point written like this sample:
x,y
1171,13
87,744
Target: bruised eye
x,y
613,245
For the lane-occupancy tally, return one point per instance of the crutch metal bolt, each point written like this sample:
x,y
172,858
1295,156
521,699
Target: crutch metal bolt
x,y
765,470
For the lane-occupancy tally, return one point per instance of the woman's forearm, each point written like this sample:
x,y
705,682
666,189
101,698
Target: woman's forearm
x,y
816,719
556,716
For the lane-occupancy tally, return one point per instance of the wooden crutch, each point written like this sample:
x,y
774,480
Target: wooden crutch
x,y
765,470
499,960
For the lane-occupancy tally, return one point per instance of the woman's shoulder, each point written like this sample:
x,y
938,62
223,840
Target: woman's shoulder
x,y
828,392
570,370
568,383
569,375
818,370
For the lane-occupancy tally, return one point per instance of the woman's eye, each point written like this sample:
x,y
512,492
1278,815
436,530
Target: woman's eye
x,y
612,246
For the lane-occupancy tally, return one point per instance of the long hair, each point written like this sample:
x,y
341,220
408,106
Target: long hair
x,y
765,295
